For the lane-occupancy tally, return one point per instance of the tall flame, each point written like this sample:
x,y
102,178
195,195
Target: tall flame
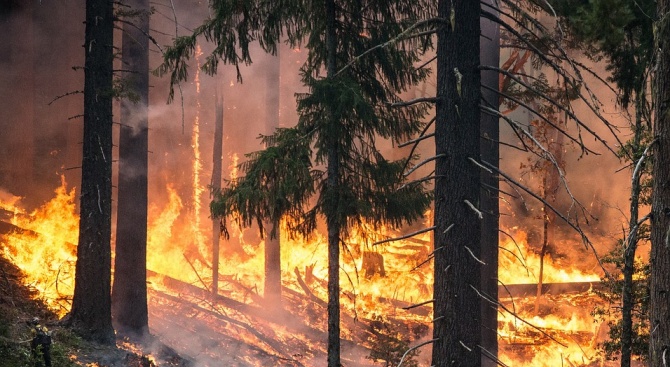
x,y
43,245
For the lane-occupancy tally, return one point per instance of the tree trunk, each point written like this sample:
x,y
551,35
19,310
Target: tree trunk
x,y
630,247
217,168
332,220
272,288
660,224
129,293
91,305
457,325
490,130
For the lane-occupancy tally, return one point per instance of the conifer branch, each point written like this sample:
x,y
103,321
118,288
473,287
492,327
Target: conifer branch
x,y
401,36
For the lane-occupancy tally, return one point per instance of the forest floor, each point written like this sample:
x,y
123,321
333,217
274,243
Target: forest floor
x,y
18,309
190,328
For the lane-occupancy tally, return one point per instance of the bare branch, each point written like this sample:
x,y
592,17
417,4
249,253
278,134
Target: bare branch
x,y
415,347
585,239
416,140
498,304
405,236
414,101
422,163
479,213
419,304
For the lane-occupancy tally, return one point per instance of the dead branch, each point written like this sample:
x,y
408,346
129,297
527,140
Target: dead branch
x,y
416,140
414,101
307,291
65,95
498,304
419,304
195,271
422,163
405,236
414,348
424,179
585,238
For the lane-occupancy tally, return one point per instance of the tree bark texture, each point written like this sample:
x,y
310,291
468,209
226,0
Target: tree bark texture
x,y
660,224
490,131
91,306
457,325
130,266
332,221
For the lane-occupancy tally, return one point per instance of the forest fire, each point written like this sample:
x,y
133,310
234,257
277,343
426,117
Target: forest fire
x,y
378,281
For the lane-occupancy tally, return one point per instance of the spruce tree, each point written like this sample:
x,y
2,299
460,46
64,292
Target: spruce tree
x,y
341,118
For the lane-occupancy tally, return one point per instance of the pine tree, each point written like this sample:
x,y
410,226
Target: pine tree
x,y
91,306
457,318
129,291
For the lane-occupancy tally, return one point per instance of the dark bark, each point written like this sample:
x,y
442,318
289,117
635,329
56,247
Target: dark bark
x,y
129,301
660,223
490,130
630,248
217,174
457,325
272,288
332,220
91,306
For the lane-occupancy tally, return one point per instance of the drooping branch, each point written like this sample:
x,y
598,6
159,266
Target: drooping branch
x,y
556,104
585,238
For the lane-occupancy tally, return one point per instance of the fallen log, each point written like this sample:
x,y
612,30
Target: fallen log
x,y
527,290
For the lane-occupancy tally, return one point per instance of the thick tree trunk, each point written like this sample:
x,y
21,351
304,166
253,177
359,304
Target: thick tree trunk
x,y
129,293
457,325
660,225
490,130
91,306
332,220
272,288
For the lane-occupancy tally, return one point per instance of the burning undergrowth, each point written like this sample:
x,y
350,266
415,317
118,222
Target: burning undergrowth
x,y
380,284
